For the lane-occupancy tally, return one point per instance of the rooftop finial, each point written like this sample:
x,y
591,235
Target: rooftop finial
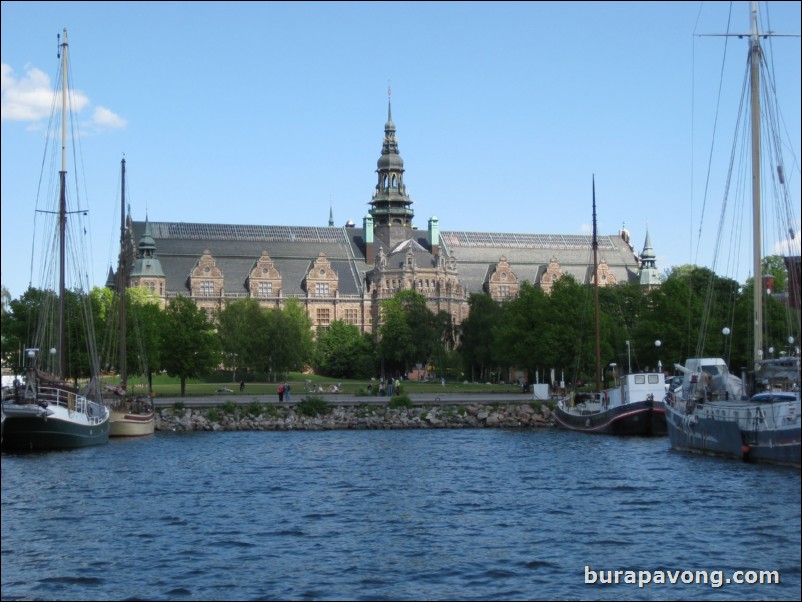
x,y
389,102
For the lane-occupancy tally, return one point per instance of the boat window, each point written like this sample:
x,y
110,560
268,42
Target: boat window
x,y
640,379
713,370
654,379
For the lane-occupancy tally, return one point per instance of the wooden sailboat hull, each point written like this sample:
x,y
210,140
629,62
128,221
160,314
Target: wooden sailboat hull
x,y
126,424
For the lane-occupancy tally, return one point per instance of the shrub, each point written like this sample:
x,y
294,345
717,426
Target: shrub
x,y
229,407
214,415
254,408
313,406
400,401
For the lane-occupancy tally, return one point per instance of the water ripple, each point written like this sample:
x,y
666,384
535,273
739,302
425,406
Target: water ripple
x,y
388,515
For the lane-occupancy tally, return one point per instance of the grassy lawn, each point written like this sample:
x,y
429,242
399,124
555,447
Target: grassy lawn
x,y
165,386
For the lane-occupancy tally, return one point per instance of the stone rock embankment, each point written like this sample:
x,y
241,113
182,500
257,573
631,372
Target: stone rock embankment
x,y
267,417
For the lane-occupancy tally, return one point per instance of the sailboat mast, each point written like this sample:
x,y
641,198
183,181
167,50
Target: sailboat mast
x,y
754,66
596,291
122,278
62,217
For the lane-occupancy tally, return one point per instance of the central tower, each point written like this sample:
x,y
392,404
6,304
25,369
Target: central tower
x,y
391,208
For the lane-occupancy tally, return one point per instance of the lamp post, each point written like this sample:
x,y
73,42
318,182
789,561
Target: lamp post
x,y
726,332
657,344
629,360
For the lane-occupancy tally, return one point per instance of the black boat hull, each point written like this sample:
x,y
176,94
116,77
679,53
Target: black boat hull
x,y
659,426
630,419
34,433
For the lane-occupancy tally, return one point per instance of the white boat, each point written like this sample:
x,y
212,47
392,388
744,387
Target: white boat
x,y
130,416
634,407
756,416
47,411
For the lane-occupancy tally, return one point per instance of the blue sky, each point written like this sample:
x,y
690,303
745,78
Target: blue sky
x,y
271,112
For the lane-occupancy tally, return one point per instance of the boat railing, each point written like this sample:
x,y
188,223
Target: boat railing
x,y
751,416
73,402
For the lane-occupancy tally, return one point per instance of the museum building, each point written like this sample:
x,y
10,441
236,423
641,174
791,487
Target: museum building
x,y
344,273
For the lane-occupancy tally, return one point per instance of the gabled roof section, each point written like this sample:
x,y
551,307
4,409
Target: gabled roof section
x,y
236,246
408,245
529,254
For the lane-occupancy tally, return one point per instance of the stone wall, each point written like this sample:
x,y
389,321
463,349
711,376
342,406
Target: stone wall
x,y
272,418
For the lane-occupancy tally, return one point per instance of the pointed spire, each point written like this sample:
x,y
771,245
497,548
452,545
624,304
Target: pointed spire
x,y
146,245
390,144
389,107
331,214
648,252
147,262
111,279
391,205
649,276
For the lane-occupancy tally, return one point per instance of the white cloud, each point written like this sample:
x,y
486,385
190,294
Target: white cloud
x,y
789,246
103,117
30,98
25,99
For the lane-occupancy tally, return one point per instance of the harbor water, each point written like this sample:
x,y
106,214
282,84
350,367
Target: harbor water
x,y
482,514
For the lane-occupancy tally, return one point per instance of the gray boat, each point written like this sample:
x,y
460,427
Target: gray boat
x,y
754,417
709,413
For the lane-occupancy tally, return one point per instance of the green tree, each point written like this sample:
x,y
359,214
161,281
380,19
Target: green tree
x,y
687,314
32,322
190,346
622,307
523,337
143,329
774,265
19,323
241,327
477,342
343,352
148,323
445,358
287,343
571,329
409,333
